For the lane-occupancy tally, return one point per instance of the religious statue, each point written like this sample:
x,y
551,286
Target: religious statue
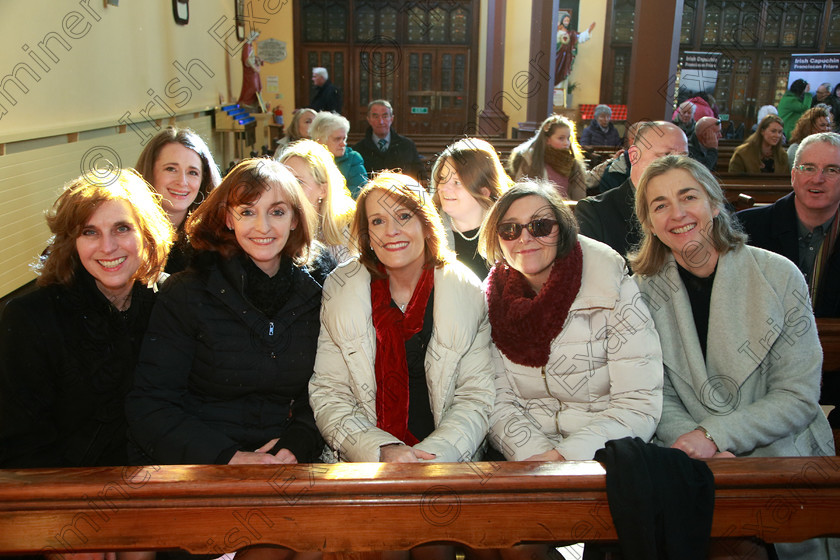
x,y
251,85
567,42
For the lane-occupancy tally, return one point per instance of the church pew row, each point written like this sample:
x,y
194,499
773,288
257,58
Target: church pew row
x,y
354,510
829,330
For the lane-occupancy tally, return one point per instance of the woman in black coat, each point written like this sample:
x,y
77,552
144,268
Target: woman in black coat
x,y
224,369
68,349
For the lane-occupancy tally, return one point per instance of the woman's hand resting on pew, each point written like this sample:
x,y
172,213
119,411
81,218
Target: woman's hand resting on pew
x,y
401,453
262,456
697,446
551,455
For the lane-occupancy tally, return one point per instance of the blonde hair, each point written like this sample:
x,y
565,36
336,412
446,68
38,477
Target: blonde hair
x,y
725,233
337,206
411,195
76,205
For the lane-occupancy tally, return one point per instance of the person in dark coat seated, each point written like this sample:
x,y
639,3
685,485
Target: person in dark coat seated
x,y
68,349
601,132
223,374
610,217
325,96
804,227
703,142
382,148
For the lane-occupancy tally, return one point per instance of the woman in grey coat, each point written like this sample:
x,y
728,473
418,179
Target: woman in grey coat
x,y
740,348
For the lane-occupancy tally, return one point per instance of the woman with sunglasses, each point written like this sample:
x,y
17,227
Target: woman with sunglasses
x,y
578,358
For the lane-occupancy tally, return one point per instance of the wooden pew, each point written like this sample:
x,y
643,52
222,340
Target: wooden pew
x,y
829,330
349,509
763,189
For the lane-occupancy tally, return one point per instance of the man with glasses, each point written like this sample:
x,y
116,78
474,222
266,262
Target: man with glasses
x,y
703,142
803,226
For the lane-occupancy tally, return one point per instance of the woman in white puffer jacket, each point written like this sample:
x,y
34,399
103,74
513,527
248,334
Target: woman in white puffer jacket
x,y
403,371
578,360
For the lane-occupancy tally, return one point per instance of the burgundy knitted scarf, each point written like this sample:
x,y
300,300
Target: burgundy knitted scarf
x,y
393,329
523,323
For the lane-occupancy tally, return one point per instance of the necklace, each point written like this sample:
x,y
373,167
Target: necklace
x,y
402,306
478,230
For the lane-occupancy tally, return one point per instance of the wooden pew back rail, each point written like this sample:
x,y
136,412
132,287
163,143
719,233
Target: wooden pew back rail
x,y
352,508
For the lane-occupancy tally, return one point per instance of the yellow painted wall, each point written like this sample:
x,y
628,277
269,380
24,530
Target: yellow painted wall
x,y
71,65
275,23
587,68
517,44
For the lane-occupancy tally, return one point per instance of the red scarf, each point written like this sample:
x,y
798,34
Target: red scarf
x,y
523,323
393,329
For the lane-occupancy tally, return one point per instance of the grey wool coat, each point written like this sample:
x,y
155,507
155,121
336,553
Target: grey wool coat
x,y
758,389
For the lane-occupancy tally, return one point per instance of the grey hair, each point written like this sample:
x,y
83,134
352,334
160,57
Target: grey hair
x,y
383,102
600,109
826,85
692,105
830,138
325,123
321,71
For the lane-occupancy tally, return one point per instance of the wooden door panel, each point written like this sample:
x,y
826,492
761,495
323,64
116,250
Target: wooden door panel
x,y
436,87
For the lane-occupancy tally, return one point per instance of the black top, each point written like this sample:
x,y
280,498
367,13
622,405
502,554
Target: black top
x,y
421,422
67,359
768,165
699,295
326,97
217,375
179,255
401,154
611,218
467,252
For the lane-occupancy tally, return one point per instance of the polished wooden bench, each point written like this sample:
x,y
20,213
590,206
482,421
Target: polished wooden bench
x,y
763,189
350,509
829,330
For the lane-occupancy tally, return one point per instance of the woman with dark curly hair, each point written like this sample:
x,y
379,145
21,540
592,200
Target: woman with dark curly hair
x,y
179,166
814,120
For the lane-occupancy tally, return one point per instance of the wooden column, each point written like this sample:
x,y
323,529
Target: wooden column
x,y
493,120
653,64
542,53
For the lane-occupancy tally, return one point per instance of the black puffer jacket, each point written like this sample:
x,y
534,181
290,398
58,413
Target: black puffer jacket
x,y
217,376
67,357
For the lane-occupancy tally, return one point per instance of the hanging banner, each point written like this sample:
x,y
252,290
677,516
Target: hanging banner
x,y
698,73
815,68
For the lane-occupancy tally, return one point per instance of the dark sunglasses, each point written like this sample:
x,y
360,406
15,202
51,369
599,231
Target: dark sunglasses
x,y
537,228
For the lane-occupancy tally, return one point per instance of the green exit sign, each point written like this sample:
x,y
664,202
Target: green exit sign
x,y
724,117
419,110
